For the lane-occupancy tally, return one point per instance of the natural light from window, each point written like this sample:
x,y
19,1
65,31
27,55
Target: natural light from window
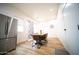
x,y
20,27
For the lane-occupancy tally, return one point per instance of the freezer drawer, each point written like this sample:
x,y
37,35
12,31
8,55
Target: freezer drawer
x,y
7,44
3,46
11,43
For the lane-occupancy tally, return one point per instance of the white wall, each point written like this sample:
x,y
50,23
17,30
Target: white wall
x,y
69,20
61,25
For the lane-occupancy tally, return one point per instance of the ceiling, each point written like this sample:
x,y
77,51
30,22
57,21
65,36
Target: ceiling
x,y
36,11
39,11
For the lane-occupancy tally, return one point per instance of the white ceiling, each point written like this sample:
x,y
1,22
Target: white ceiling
x,y
36,11
39,11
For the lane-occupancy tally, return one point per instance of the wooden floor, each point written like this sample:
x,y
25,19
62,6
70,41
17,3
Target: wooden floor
x,y
54,47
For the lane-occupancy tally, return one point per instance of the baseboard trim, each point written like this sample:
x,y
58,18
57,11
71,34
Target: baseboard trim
x,y
21,42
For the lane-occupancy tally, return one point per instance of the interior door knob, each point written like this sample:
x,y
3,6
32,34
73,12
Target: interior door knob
x,y
65,29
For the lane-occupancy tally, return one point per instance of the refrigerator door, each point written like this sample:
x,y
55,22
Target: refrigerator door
x,y
12,35
4,24
13,29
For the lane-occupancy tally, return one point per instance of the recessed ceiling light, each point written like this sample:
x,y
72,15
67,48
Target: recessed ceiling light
x,y
50,10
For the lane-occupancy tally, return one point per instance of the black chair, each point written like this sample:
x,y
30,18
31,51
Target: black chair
x,y
43,39
36,38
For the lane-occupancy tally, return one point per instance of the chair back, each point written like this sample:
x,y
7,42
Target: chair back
x,y
43,37
35,37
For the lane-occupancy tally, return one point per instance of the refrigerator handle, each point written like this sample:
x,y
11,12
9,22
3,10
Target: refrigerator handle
x,y
6,28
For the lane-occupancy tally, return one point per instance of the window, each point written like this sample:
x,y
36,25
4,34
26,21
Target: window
x,y
20,27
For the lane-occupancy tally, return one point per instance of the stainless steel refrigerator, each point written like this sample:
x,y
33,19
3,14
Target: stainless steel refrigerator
x,y
8,33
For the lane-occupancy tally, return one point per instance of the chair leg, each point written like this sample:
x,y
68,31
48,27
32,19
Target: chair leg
x,y
38,46
33,44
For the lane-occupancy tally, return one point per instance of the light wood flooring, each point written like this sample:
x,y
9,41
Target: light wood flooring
x,y
54,47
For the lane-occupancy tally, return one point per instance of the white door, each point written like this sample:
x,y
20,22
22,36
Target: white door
x,y
71,19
